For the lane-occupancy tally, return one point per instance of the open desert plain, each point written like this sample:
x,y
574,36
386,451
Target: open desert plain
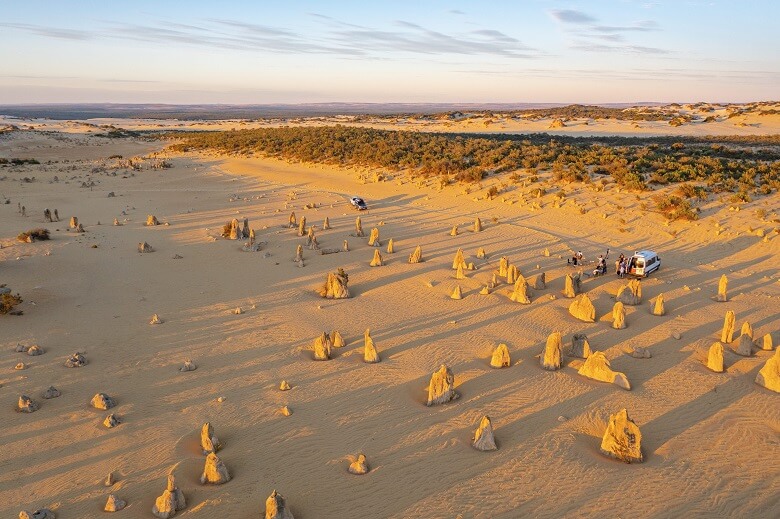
x,y
213,308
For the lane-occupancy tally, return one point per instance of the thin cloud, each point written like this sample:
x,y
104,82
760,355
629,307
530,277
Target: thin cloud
x,y
600,36
572,16
50,32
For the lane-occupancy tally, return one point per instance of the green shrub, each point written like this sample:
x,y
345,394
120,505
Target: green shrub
x,y
32,235
675,208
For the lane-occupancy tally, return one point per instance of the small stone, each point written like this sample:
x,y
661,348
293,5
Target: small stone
x,y
155,319
640,353
286,411
359,466
114,504
76,360
110,480
221,399
188,366
26,405
51,392
276,507
111,421
483,436
214,472
20,366
284,386
102,401
622,439
35,350
441,388
676,336
500,358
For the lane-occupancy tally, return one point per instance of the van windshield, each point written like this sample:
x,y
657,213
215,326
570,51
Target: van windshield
x,y
640,263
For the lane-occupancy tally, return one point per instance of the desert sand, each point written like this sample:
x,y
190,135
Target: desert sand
x,y
709,440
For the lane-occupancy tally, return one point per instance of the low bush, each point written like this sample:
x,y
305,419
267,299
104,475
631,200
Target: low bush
x,y
32,235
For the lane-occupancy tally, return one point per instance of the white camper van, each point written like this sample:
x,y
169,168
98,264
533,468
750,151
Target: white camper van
x,y
643,263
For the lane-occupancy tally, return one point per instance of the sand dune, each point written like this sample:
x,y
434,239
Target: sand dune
x,y
708,438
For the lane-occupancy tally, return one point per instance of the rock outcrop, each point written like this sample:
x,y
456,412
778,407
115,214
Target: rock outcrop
x,y
114,504
481,253
550,358
723,286
500,358
111,421
26,405
631,293
477,225
345,246
618,316
276,507
597,367
769,375
292,222
302,226
171,501
715,357
658,306
188,366
539,281
370,354
144,247
336,286
727,335
483,436
390,246
358,227
322,346
571,286
744,346
580,347
520,292
326,224
503,266
767,344
102,401
359,466
377,259
74,222
42,513
284,386
235,230
583,309
460,273
457,293
416,256
459,260
622,439
155,319
76,360
214,472
441,388
208,440
51,392
151,220
747,329
373,238
35,350
454,231
336,340
511,274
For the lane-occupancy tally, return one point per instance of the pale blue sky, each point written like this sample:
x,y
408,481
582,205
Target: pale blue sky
x,y
404,51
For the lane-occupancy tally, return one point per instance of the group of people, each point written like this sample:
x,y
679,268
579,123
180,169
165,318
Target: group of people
x,y
621,264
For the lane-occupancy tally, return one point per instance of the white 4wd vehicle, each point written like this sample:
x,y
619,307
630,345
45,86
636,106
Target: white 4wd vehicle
x,y
643,263
358,203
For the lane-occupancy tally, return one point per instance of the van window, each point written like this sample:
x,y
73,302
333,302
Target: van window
x,y
640,263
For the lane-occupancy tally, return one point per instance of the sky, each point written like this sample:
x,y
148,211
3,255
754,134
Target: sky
x,y
290,51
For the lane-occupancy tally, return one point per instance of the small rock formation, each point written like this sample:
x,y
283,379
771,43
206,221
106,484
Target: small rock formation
x,y
245,231
285,411
171,501
74,222
144,247
302,226
345,246
460,273
580,347
511,274
337,341
110,480
597,367
500,358
583,309
618,316
390,246
485,291
539,281
639,352
767,344
477,225
658,306
155,319
111,421
76,360
744,346
546,252
456,293
520,292
114,504
747,329
454,231
336,286
481,253
370,354
631,293
551,355
151,220
373,238
276,507
235,230
322,346
723,286
116,222
284,386
326,224
503,266
557,123
416,256
483,436
441,388
359,466
102,401
80,228
298,254
292,223
377,260
188,366
208,440
622,439
26,405
310,238
20,366
715,357
214,472
459,260
358,227
42,513
727,335
572,286
769,375
35,350
51,392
